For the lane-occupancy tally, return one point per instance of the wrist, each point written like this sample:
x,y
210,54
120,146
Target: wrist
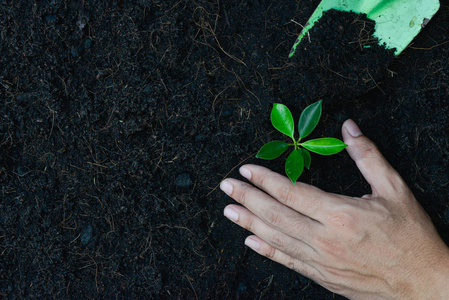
x,y
433,280
442,277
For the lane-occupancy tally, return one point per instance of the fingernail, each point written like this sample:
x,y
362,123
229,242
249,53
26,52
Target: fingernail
x,y
226,187
252,244
244,171
353,129
231,214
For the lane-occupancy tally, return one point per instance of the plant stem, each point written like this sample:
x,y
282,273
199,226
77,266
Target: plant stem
x,y
296,144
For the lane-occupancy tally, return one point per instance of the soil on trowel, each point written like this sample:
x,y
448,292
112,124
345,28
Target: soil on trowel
x,y
338,55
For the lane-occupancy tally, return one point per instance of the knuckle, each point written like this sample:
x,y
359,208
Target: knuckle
x,y
311,202
369,149
273,216
278,241
270,253
291,264
287,196
260,179
249,224
330,247
340,219
302,228
243,194
371,154
399,187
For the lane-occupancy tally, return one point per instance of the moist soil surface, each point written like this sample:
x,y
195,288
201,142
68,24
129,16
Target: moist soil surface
x,y
118,120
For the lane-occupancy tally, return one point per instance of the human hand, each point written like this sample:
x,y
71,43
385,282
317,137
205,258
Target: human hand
x,y
381,245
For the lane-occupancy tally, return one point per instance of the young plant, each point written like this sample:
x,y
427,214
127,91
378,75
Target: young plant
x,y
282,120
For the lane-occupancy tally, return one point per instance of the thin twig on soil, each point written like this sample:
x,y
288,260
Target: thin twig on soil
x,y
430,48
308,34
252,155
375,82
206,27
191,285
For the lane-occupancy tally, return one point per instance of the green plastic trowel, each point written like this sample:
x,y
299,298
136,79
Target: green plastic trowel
x,y
397,22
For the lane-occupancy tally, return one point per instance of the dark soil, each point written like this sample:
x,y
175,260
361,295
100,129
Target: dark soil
x,y
338,56
119,119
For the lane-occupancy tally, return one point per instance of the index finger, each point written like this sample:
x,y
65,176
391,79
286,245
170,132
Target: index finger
x,y
304,198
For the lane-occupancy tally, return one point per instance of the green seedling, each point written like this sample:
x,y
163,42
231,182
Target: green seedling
x,y
282,120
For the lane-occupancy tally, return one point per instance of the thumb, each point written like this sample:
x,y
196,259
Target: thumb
x,y
384,180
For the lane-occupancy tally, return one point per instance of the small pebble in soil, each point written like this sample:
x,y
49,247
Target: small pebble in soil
x,y
74,52
47,224
87,43
19,171
227,113
51,18
183,180
81,24
200,137
86,235
241,287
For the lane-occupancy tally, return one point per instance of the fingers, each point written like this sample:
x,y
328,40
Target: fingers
x,y
273,244
306,199
260,246
276,239
276,215
384,180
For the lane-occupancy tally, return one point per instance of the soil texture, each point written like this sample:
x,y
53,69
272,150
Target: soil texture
x,y
118,120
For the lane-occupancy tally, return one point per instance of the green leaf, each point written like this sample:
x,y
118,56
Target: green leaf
x,y
324,146
306,156
294,165
272,150
309,119
282,119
